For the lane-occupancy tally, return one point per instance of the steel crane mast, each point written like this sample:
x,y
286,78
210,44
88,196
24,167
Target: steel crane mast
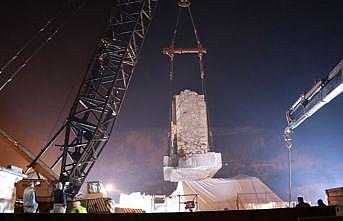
x,y
96,108
310,102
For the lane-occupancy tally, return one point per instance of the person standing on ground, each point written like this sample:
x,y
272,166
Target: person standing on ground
x,y
321,203
301,203
29,198
60,199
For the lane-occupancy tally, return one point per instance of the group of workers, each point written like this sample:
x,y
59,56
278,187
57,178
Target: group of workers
x,y
302,204
59,199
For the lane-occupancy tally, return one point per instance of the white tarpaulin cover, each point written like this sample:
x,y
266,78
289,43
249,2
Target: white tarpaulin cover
x,y
196,167
8,177
136,201
240,192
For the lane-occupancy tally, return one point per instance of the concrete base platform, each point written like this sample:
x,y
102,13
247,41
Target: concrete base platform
x,y
196,167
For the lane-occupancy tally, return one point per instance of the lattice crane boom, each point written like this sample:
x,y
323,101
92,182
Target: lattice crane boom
x,y
98,103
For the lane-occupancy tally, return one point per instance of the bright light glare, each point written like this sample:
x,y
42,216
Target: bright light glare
x,y
109,187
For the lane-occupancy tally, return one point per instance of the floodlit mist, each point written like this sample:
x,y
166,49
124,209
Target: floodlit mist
x,y
260,58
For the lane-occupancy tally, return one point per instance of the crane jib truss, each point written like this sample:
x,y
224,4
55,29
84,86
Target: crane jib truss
x,y
97,105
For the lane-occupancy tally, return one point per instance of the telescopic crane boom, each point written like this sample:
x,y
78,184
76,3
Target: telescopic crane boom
x,y
310,102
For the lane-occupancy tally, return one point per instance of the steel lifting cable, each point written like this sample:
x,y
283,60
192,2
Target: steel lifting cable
x,y
186,4
193,24
171,77
172,45
200,50
201,61
176,27
41,30
17,54
47,40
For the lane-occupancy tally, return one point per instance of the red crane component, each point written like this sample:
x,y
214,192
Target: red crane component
x,y
172,51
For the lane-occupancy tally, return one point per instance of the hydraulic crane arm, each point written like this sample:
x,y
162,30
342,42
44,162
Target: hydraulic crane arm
x,y
309,103
320,94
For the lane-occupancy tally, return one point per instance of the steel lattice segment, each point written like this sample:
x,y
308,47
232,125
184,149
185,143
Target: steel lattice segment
x,y
99,100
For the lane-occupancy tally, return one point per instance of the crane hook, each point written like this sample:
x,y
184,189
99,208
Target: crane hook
x,y
288,137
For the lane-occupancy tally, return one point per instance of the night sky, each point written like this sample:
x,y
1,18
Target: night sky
x,y
261,56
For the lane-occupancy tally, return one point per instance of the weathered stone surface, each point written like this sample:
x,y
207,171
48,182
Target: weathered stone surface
x,y
189,127
189,157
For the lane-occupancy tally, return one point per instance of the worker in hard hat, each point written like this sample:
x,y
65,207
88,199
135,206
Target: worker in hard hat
x,y
60,199
29,198
77,207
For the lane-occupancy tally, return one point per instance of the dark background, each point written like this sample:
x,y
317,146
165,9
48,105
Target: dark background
x,y
261,56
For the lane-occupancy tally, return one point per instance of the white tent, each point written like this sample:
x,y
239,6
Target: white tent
x,y
239,192
8,178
